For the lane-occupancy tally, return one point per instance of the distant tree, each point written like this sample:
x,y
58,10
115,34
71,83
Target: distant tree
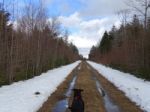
x,y
136,26
74,48
105,43
93,53
124,16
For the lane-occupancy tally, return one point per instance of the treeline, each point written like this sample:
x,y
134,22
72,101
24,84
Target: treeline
x,y
31,46
126,48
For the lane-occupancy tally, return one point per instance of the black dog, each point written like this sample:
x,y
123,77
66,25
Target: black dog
x,y
77,103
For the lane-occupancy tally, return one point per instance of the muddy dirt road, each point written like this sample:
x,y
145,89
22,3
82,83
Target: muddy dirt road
x,y
99,94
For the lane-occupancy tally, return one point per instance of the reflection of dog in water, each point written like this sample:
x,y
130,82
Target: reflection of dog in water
x,y
77,103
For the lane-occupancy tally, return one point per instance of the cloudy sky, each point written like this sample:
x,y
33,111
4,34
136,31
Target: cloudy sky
x,y
85,20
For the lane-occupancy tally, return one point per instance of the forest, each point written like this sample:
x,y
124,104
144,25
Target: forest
x,y
126,48
30,44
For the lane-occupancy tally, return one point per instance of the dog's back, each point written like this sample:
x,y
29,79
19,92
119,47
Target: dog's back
x,y
78,103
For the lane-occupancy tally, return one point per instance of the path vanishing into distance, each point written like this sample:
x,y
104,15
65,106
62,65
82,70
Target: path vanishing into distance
x,y
99,94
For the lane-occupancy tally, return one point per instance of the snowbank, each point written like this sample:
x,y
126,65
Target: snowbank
x,y
21,97
135,89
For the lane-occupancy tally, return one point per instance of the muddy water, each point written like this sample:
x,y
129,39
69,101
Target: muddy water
x,y
110,106
62,105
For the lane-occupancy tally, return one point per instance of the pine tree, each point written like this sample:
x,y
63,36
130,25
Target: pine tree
x,y
105,43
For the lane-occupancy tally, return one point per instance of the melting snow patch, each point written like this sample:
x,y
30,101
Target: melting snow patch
x,y
29,95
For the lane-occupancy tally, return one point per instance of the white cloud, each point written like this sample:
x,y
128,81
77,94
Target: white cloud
x,y
72,20
102,7
81,42
91,25
47,2
89,32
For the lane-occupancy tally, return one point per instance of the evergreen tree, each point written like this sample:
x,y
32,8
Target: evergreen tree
x,y
105,43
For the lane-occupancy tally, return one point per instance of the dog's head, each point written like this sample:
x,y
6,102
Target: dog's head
x,y
77,92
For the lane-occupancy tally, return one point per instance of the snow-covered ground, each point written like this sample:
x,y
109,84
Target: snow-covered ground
x,y
21,97
135,89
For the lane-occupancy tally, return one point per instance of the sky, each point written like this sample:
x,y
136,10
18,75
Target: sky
x,y
85,20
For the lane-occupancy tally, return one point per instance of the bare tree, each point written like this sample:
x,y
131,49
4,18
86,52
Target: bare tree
x,y
34,46
41,24
124,15
142,7
11,57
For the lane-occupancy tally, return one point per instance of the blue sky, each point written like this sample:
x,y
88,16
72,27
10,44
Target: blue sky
x,y
86,20
64,7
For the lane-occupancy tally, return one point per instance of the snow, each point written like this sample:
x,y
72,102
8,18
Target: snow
x,y
136,89
21,97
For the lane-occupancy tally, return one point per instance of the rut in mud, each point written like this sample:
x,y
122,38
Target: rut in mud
x,y
62,105
99,94
59,96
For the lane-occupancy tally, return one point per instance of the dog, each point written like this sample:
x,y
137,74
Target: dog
x,y
77,103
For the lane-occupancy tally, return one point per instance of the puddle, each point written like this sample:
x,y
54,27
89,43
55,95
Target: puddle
x,y
62,105
101,91
79,67
110,106
72,84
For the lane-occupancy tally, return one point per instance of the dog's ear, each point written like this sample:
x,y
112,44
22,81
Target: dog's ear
x,y
70,108
79,90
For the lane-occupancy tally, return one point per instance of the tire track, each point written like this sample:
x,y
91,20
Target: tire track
x,y
116,96
99,94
